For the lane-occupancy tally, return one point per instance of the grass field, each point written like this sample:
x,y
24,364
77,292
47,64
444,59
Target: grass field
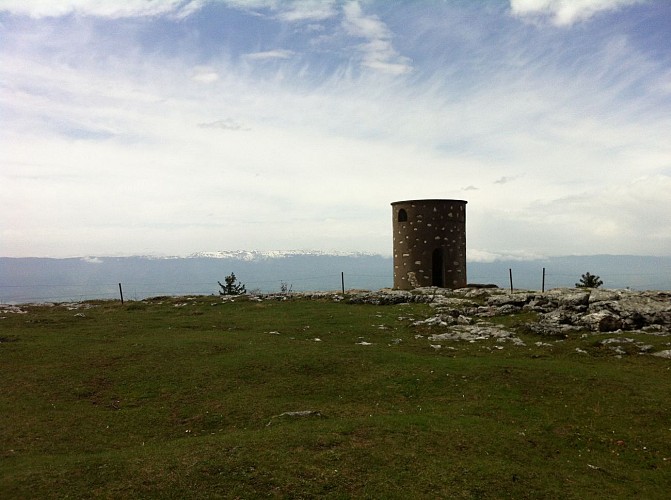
x,y
192,398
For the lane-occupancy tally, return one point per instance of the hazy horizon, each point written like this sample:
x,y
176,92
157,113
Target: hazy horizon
x,y
471,256
79,278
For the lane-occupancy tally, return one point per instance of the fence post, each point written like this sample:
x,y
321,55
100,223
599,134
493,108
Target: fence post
x,y
543,285
342,281
510,271
121,293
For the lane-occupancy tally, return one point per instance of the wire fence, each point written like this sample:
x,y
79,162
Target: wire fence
x,y
542,280
54,292
138,290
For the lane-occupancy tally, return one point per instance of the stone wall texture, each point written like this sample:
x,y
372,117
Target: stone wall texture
x,y
429,243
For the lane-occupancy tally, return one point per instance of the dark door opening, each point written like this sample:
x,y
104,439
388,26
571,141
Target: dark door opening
x,y
437,268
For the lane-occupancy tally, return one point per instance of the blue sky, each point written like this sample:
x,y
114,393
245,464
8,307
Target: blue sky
x,y
175,126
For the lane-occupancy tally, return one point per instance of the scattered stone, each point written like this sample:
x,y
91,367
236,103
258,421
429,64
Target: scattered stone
x,y
73,306
476,286
471,333
433,321
508,309
464,320
515,340
386,297
663,354
12,309
296,414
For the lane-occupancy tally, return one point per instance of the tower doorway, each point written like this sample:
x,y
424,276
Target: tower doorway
x,y
437,274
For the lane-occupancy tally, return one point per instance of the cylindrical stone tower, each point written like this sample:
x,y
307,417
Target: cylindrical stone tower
x,y
429,243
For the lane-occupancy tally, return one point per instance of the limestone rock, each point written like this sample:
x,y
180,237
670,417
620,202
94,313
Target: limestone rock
x,y
574,300
516,299
602,321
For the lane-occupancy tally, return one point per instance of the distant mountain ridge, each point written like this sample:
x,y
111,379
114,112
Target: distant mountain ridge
x,y
91,277
251,255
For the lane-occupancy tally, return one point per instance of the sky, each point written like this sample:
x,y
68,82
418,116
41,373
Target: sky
x,y
167,127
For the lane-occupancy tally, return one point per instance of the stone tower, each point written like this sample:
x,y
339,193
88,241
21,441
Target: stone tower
x,y
429,243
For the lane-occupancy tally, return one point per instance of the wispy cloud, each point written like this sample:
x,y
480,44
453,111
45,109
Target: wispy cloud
x,y
504,180
565,12
269,54
121,9
205,75
139,113
377,51
307,10
225,124
292,11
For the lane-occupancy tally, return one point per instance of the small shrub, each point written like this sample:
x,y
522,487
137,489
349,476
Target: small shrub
x,y
231,287
588,280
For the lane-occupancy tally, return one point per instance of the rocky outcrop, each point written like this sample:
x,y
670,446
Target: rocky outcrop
x,y
465,312
474,314
594,310
557,311
469,315
562,310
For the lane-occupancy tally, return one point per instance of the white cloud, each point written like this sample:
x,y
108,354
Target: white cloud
x,y
291,11
378,51
630,217
205,75
101,8
225,124
304,152
565,12
129,153
270,54
307,10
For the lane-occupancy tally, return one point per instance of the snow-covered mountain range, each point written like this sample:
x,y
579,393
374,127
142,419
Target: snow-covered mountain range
x,y
255,255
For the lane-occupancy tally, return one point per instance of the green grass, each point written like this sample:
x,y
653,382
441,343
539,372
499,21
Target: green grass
x,y
175,398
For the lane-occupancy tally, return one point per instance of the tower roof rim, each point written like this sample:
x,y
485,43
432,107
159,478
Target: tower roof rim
x,y
428,200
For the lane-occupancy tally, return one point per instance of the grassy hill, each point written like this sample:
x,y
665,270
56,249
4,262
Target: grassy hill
x,y
199,398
